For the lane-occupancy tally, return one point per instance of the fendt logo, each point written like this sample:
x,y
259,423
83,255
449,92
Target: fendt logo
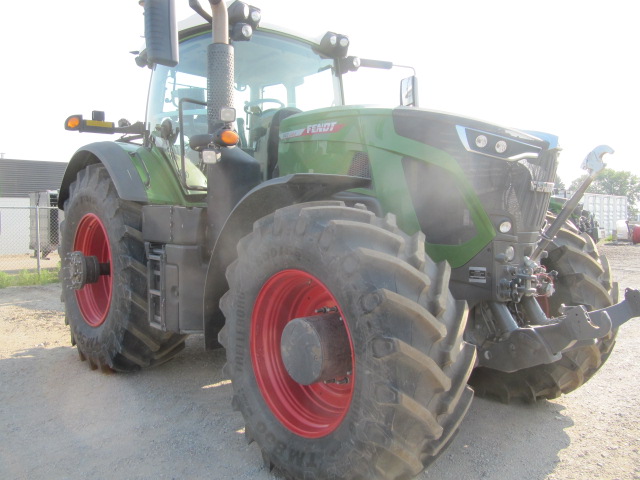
x,y
326,127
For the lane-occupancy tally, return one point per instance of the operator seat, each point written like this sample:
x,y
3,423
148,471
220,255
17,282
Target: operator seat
x,y
273,137
265,135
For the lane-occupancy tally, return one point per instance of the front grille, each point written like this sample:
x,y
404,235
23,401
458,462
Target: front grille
x,y
506,187
503,186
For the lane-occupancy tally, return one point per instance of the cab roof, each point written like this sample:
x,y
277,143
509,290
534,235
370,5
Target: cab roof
x,y
196,20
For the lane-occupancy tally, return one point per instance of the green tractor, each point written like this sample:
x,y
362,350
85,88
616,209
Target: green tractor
x,y
366,269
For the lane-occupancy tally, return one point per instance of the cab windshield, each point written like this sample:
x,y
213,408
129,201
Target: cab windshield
x,y
271,72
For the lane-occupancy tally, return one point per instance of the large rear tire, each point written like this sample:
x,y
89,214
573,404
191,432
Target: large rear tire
x,y
108,318
404,393
584,278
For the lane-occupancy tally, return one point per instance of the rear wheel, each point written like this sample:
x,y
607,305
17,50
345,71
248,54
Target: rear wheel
x,y
387,400
104,278
584,278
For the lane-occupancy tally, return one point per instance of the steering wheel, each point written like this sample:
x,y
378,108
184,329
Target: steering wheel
x,y
260,101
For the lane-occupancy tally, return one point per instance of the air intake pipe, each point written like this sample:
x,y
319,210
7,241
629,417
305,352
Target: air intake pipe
x,y
234,172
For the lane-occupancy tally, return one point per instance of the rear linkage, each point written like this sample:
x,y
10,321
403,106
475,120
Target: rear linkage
x,y
545,339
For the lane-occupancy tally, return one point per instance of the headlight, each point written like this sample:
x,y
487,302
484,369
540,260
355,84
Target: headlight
x,y
496,146
481,141
501,146
505,227
333,45
510,253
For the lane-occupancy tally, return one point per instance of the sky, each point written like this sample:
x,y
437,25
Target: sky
x,y
565,67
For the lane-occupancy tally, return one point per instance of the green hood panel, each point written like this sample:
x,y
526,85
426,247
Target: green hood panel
x,y
338,140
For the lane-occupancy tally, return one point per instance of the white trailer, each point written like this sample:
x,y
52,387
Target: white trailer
x,y
607,209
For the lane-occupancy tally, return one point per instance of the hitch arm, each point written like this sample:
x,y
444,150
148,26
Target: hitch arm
x,y
583,325
622,312
594,164
535,345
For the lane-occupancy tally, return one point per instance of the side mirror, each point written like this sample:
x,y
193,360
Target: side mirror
x,y
409,91
160,32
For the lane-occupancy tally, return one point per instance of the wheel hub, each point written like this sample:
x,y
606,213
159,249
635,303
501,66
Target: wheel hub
x,y
317,409
93,284
84,270
316,349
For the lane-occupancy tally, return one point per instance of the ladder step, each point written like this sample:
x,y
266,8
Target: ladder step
x,y
155,267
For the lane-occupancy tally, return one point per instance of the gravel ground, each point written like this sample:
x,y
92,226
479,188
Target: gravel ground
x,y
59,420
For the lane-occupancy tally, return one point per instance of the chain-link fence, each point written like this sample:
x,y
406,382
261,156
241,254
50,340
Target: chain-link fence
x,y
29,237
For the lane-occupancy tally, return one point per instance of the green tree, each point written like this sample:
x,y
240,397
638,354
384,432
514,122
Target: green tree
x,y
559,185
613,182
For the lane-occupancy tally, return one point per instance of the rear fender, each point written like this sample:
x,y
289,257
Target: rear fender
x,y
264,199
118,163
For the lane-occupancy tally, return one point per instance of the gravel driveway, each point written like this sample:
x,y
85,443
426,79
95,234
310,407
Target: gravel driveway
x,y
60,420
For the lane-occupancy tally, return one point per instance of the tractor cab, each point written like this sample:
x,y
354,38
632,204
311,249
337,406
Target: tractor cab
x,y
277,75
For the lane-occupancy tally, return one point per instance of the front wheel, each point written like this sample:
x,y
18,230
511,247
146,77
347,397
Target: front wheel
x,y
344,345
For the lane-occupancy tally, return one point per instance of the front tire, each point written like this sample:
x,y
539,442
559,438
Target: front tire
x,y
404,393
108,318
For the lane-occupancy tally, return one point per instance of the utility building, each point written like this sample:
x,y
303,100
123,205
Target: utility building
x,y
19,182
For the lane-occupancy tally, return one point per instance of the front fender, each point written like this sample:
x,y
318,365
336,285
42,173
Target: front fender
x,y
264,199
118,163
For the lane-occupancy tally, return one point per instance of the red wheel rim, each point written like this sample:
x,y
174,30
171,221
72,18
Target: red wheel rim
x,y
94,299
311,411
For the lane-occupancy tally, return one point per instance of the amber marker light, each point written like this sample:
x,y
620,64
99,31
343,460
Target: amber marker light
x,y
73,122
229,137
